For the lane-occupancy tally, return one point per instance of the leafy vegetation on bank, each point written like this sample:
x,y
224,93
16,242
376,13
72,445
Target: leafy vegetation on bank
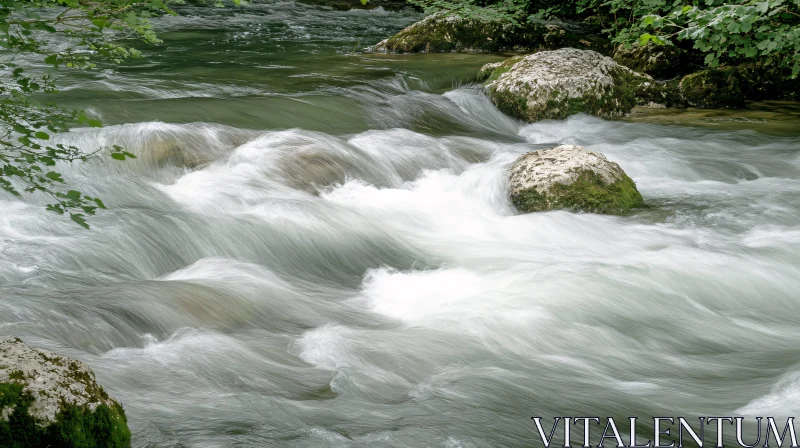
x,y
725,32
62,33
72,34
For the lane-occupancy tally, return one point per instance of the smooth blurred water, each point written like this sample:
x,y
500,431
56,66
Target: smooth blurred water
x,y
315,247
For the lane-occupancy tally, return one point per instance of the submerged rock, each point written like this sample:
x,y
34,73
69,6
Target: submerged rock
x,y
441,33
716,88
49,400
557,84
571,177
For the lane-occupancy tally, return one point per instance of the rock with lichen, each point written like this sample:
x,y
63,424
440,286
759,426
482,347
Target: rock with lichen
x,y
571,177
50,400
444,33
557,84
487,70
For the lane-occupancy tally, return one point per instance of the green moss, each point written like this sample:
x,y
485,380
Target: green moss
x,y
656,92
624,92
497,72
729,87
57,360
588,193
502,68
658,61
766,79
77,373
514,104
713,89
565,107
438,34
75,426
530,201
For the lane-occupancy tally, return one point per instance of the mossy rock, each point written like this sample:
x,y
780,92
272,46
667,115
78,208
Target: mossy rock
x,y
47,400
587,193
571,177
560,83
658,61
766,79
716,88
659,94
441,33
728,87
492,71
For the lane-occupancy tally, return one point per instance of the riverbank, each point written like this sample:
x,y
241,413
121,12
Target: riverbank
x,y
675,74
768,117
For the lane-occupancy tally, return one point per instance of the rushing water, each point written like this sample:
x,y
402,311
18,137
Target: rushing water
x,y
314,247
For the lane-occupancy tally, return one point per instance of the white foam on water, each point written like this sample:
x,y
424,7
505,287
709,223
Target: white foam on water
x,y
451,293
781,402
326,347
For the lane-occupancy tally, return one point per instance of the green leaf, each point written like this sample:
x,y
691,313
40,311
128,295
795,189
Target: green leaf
x,y
56,208
78,218
42,135
117,156
56,177
100,23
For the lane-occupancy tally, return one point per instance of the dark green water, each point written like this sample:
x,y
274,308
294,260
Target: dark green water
x,y
315,247
275,66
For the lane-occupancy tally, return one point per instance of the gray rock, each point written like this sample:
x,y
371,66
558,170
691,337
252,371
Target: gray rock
x,y
557,84
59,396
571,177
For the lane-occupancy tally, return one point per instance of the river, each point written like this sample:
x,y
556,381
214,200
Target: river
x,y
315,247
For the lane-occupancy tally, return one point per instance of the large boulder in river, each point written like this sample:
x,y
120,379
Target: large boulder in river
x,y
571,177
658,61
444,33
557,84
715,88
768,79
47,400
728,87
